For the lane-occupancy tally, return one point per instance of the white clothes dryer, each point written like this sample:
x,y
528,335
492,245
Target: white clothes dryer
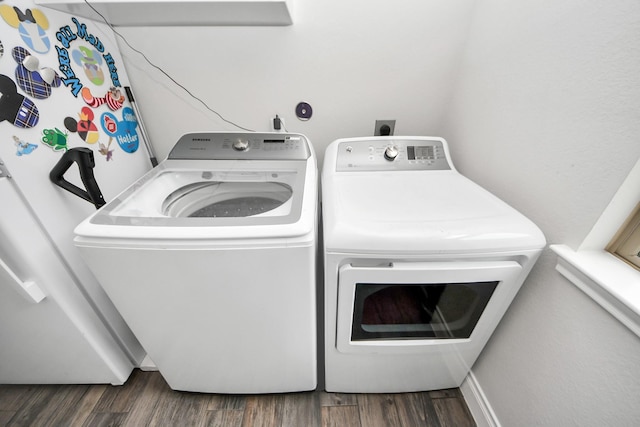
x,y
420,265
210,259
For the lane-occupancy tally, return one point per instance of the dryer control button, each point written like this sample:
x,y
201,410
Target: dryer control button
x,y
391,152
241,145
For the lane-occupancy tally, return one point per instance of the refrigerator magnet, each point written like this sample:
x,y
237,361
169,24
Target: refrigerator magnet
x,y
22,147
16,108
31,24
35,80
124,132
55,139
84,126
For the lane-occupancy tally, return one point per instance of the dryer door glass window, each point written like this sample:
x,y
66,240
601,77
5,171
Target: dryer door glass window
x,y
418,311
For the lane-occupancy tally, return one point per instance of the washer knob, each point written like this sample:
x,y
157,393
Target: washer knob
x,y
391,152
241,145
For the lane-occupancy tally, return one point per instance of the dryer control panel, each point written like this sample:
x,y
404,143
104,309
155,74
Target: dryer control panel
x,y
241,146
392,154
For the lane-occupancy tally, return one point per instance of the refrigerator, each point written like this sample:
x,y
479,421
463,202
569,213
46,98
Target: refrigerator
x,y
62,98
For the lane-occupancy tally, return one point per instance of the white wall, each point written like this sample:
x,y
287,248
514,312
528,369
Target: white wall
x,y
354,61
545,113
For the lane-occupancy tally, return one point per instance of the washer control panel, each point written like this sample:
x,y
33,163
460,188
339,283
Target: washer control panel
x,y
392,154
241,146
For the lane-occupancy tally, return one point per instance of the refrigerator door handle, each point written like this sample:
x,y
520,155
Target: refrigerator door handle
x,y
84,158
28,290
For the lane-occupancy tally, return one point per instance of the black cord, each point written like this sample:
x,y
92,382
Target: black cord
x,y
164,72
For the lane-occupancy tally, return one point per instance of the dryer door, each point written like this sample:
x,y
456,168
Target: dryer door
x,y
421,304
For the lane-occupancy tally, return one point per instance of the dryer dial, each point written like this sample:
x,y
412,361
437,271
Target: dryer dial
x,y
391,152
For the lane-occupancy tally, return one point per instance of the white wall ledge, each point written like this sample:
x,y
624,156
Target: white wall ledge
x,y
180,12
606,279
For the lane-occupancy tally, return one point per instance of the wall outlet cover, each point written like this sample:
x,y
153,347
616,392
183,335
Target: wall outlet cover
x,y
381,127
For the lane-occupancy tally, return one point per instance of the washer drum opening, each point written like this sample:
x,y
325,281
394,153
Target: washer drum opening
x,y
228,199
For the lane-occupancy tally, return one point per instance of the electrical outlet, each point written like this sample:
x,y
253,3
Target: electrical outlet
x,y
277,123
384,127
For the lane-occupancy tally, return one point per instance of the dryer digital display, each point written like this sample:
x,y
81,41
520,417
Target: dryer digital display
x,y
420,153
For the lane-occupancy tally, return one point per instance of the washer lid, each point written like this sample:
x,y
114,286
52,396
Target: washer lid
x,y
199,195
409,211
207,199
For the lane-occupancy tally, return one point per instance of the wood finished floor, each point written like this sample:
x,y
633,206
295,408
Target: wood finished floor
x,y
146,400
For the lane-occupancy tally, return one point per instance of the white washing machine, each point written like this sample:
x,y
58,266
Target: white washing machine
x,y
210,259
420,265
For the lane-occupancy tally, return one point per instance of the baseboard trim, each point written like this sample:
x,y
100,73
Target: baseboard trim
x,y
477,403
147,364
